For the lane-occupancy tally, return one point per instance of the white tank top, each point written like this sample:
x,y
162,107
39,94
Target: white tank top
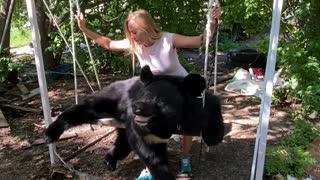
x,y
161,57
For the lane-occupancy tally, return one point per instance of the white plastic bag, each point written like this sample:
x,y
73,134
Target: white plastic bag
x,y
242,82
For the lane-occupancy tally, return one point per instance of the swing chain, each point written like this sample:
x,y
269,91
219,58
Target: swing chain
x,y
212,46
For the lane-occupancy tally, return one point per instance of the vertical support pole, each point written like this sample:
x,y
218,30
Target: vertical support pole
x,y
73,52
40,71
262,131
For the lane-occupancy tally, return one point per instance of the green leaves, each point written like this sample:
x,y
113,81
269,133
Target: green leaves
x,y
300,54
6,67
286,160
292,158
254,16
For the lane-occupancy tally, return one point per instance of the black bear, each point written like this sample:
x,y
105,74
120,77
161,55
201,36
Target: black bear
x,y
152,108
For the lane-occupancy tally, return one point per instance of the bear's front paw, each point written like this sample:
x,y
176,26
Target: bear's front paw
x,y
110,162
54,131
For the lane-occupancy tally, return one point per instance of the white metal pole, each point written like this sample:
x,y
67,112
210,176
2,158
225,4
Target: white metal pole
x,y
73,53
260,150
40,71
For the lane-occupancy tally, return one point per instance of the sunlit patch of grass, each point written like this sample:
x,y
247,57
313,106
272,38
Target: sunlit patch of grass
x,y
20,37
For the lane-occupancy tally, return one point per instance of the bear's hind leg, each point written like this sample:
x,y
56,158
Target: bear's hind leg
x,y
120,150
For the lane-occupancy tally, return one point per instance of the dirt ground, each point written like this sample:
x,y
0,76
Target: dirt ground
x,y
22,158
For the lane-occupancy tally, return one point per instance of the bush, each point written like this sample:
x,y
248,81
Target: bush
x,y
8,70
280,96
287,160
303,134
292,158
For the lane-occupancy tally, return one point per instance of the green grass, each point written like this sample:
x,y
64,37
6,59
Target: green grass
x,y
20,37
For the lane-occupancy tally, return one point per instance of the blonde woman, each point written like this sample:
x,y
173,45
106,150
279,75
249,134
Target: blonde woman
x,y
155,48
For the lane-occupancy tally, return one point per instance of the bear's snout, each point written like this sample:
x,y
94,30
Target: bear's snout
x,y
143,113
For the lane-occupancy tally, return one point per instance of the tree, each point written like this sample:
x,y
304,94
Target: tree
x,y
51,56
45,24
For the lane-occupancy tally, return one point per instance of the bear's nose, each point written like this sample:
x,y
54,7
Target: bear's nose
x,y
143,109
138,111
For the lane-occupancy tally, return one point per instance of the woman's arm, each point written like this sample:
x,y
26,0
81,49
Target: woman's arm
x,y
181,41
104,42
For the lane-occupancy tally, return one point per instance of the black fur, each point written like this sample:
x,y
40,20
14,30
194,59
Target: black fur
x,y
151,107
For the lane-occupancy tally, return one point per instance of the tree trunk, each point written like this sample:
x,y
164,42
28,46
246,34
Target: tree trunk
x,y
45,26
4,14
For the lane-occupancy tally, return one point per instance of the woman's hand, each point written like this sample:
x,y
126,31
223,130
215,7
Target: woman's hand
x,y
81,21
215,15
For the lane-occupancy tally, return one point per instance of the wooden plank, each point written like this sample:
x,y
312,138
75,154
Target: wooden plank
x,y
31,94
62,138
3,121
88,145
22,108
24,90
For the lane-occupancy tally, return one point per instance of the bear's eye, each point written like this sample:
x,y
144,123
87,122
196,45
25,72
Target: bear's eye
x,y
163,107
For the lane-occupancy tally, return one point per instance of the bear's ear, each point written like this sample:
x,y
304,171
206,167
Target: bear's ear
x,y
146,74
195,84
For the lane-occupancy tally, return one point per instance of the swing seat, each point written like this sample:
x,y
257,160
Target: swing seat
x,y
112,122
209,136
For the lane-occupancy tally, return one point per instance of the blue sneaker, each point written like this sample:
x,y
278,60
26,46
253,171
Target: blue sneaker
x,y
144,175
185,165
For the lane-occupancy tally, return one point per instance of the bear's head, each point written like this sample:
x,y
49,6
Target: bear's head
x,y
159,106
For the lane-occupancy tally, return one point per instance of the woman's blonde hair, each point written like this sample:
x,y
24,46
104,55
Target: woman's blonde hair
x,y
147,24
